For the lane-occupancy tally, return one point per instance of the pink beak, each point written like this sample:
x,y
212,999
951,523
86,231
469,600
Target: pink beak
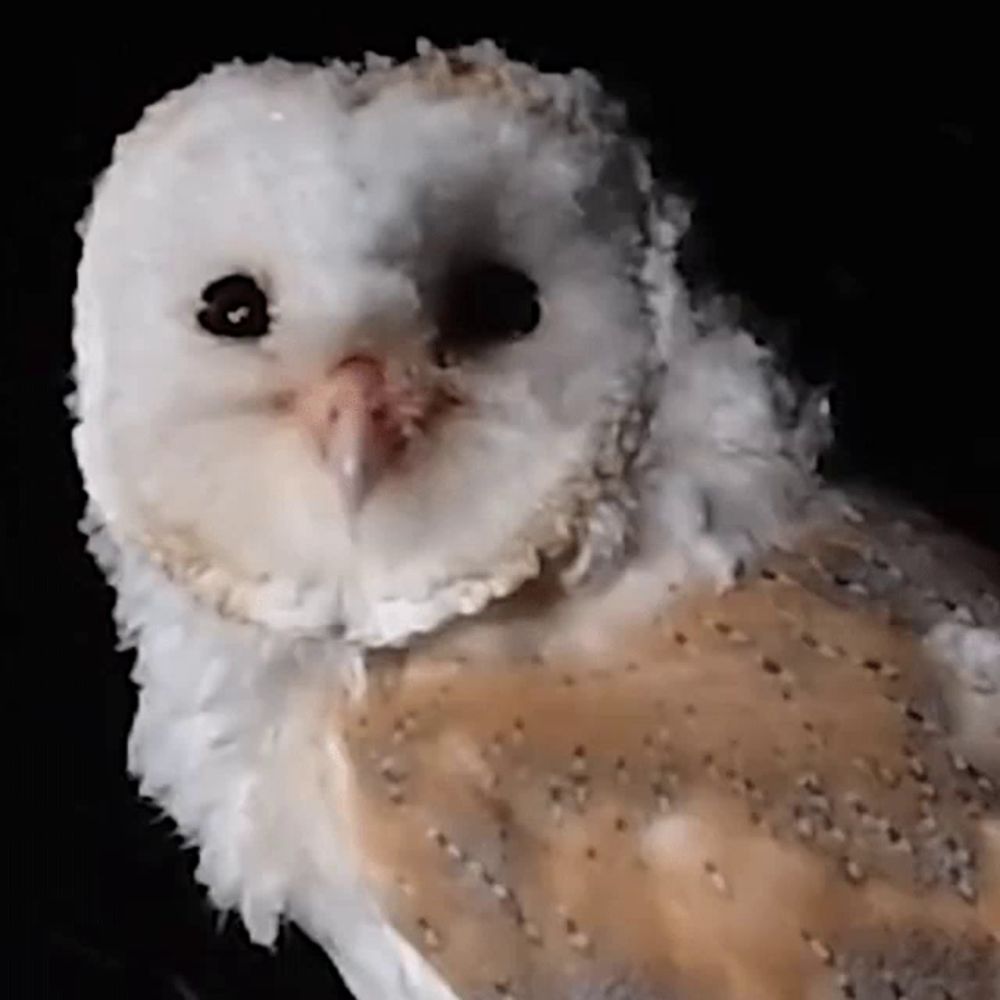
x,y
352,416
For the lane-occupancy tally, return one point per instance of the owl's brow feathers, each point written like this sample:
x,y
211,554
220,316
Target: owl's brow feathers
x,y
452,75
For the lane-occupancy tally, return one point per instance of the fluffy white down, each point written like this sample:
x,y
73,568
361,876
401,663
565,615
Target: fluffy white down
x,y
678,449
228,740
970,658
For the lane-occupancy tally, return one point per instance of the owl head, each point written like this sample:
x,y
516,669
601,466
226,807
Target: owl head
x,y
364,348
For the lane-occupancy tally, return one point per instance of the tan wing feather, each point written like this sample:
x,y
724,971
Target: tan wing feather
x,y
757,797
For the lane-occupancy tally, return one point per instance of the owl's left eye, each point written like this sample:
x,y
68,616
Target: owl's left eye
x,y
235,306
487,302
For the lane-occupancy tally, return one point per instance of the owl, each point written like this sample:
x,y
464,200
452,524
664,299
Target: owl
x,y
493,623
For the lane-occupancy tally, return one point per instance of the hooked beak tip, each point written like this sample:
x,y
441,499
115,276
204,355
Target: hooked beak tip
x,y
355,477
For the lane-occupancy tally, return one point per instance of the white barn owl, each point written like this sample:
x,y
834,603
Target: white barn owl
x,y
491,622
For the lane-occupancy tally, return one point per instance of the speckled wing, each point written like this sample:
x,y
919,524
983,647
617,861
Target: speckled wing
x,y
787,790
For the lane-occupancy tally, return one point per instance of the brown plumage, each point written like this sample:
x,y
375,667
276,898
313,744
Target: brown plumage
x,y
759,796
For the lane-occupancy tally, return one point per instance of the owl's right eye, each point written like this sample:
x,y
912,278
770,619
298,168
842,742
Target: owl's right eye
x,y
235,306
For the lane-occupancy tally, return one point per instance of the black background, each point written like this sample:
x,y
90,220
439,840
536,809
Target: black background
x,y
838,177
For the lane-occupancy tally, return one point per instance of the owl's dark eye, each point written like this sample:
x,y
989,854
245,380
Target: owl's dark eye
x,y
487,302
235,306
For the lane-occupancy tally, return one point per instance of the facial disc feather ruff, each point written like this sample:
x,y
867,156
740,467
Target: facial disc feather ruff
x,y
396,356
594,488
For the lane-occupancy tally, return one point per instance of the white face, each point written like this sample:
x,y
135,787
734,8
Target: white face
x,y
351,351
